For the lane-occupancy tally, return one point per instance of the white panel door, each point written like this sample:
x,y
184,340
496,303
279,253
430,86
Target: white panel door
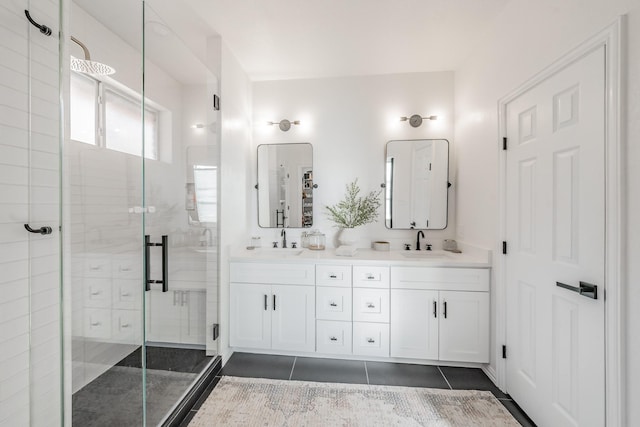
x,y
555,233
464,326
414,324
250,315
293,317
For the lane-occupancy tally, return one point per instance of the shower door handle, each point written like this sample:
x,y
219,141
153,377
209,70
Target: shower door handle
x,y
41,230
165,262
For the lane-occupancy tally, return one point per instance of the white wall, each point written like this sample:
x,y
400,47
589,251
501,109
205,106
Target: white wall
x,y
523,40
30,346
349,120
235,170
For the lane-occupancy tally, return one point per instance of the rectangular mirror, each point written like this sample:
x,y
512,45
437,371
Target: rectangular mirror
x,y
285,185
417,182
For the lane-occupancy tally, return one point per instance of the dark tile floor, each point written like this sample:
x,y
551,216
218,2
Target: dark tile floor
x,y
359,372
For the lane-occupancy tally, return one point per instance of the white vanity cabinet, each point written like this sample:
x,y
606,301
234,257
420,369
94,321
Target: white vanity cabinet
x,y
176,316
272,306
440,314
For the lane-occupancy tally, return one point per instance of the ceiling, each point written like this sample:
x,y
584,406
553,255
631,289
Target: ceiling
x,y
284,39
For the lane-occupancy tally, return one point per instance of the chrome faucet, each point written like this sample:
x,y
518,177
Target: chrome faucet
x,y
418,240
284,238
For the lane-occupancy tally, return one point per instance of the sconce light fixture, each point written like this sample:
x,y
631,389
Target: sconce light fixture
x,y
197,126
284,124
416,119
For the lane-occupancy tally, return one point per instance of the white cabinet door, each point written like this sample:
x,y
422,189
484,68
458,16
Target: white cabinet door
x,y
464,326
164,315
250,315
293,311
414,323
193,317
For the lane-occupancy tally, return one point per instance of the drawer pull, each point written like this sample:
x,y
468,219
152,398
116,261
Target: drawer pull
x,y
333,276
333,339
333,304
95,323
125,294
370,277
125,325
371,340
95,268
94,293
370,305
125,268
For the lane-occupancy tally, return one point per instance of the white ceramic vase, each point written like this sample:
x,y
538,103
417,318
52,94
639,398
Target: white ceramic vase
x,y
347,237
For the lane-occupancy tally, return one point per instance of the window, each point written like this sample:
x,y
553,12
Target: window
x,y
206,187
83,108
109,117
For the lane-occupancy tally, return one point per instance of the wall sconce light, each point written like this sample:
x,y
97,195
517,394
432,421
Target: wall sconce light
x,y
416,119
197,126
284,124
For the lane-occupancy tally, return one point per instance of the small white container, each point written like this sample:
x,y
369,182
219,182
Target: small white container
x,y
381,246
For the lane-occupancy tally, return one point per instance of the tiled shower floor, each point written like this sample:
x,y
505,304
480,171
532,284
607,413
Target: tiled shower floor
x,y
115,397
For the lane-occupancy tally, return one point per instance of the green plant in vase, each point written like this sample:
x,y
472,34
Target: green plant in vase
x,y
353,211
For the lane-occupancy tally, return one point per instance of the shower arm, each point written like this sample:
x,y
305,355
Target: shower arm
x,y
87,56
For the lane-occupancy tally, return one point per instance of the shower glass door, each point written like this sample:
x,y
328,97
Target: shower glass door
x,y
142,166
180,215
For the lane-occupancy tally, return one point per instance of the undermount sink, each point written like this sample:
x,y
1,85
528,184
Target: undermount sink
x,y
277,252
422,254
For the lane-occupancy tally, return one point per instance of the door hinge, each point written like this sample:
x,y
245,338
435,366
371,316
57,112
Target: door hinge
x,y
504,143
504,351
216,331
504,248
216,102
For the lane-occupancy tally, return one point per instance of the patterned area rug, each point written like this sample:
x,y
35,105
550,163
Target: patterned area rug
x,y
260,402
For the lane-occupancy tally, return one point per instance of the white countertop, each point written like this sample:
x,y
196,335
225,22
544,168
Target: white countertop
x,y
470,258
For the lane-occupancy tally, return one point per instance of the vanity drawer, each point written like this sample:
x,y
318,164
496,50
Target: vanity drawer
x,y
370,277
97,292
97,266
371,305
126,326
333,337
126,294
333,275
454,279
333,303
276,273
97,323
371,339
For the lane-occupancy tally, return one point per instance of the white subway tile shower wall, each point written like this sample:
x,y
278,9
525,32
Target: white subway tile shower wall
x,y
29,192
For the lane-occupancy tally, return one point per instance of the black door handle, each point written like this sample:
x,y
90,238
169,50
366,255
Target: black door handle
x,y
444,309
41,230
585,289
165,262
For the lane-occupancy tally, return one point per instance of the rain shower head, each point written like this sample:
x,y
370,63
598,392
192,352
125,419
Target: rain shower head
x,y
88,66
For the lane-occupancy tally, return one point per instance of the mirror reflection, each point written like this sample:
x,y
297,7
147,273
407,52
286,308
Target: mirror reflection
x,y
417,180
285,185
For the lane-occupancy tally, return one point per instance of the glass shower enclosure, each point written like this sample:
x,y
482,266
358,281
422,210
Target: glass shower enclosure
x,y
109,143
142,161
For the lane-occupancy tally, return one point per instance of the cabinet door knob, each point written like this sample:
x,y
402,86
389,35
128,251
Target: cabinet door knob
x,y
370,305
333,276
370,277
333,339
333,304
95,323
370,340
